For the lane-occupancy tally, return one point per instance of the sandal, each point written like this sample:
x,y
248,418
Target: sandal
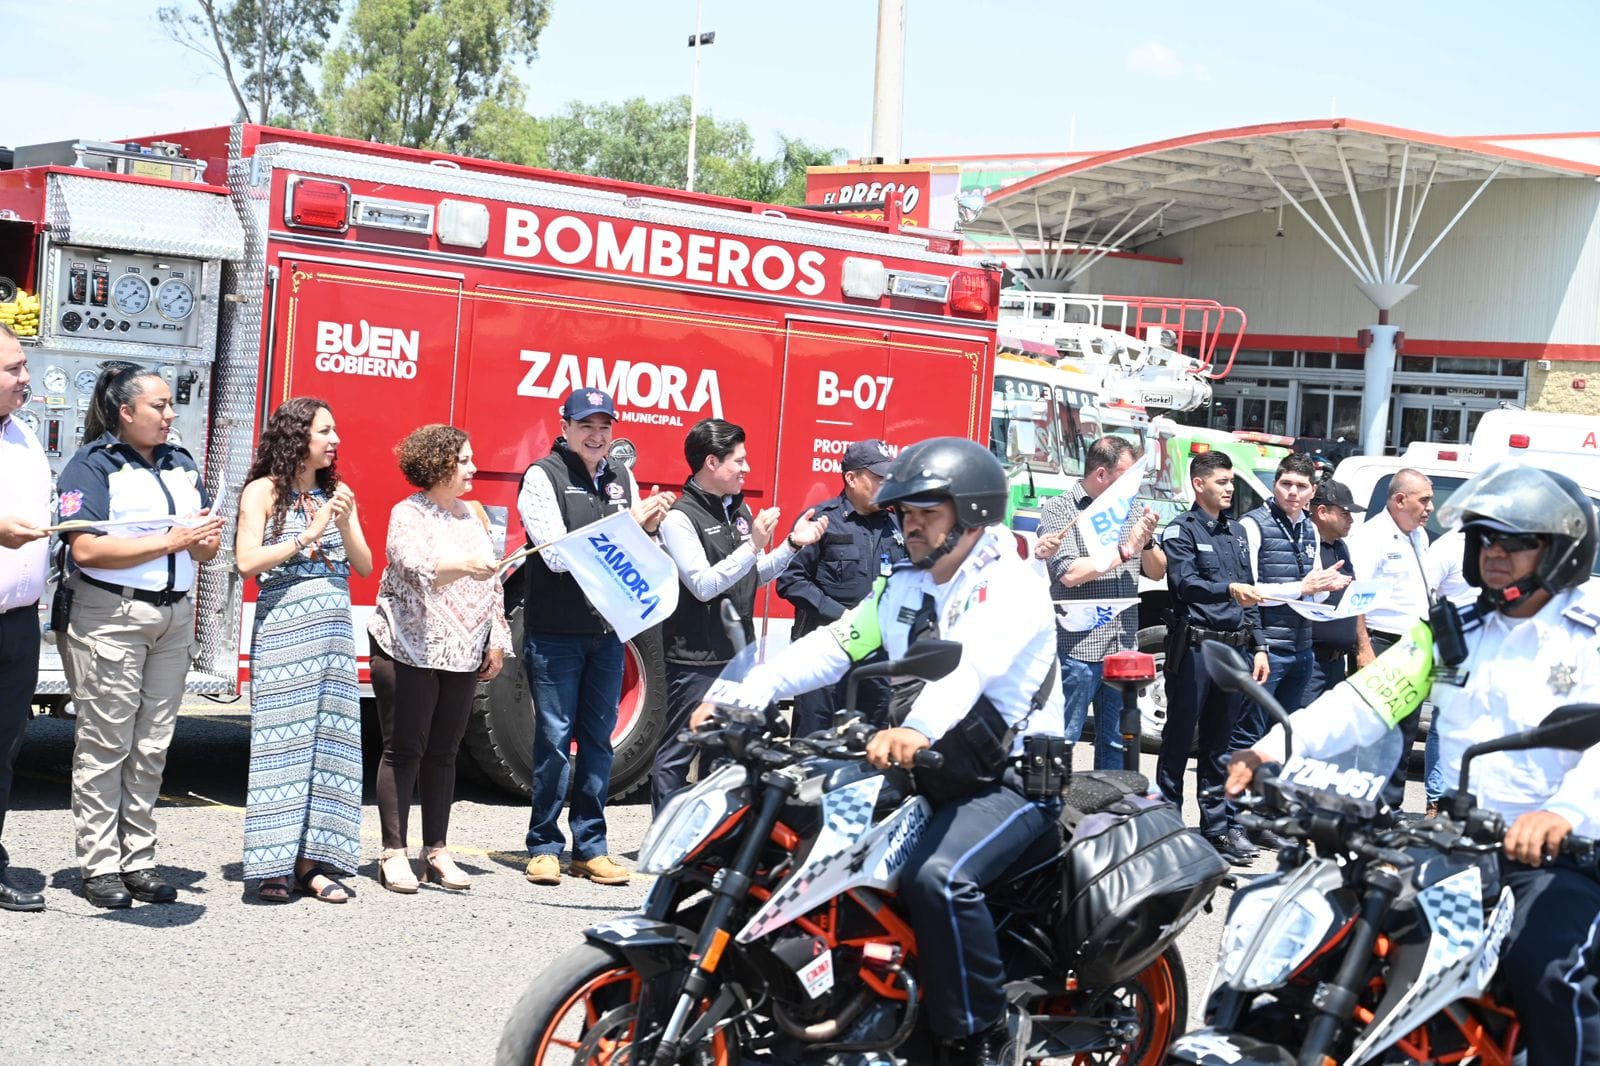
x,y
332,892
274,890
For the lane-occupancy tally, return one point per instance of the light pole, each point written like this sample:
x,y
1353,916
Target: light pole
x,y
694,93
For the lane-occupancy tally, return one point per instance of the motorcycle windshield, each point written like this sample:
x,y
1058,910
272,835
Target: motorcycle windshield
x,y
727,693
1350,781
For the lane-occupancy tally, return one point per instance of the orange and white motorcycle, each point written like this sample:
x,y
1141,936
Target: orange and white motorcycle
x,y
773,932
1377,940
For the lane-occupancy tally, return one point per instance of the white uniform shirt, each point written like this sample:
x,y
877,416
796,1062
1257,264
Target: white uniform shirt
x,y
24,493
1379,551
1518,671
1445,555
996,606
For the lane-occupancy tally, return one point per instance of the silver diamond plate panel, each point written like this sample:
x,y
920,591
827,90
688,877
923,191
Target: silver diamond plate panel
x,y
234,416
532,192
142,218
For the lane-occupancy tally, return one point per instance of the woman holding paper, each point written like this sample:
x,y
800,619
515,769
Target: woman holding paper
x,y
438,630
300,538
139,526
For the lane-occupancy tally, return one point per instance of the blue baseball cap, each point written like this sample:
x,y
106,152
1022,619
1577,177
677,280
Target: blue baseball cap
x,y
581,403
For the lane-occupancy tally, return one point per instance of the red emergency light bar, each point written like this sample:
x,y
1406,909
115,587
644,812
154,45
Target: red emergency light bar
x,y
313,203
972,292
1519,440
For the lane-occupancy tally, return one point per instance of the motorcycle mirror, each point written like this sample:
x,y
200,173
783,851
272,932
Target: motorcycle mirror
x,y
1225,665
1570,727
926,660
1229,671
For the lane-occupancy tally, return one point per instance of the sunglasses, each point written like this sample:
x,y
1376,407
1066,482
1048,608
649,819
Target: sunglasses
x,y
1510,542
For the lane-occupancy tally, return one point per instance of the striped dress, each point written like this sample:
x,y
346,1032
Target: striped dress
x,y
304,795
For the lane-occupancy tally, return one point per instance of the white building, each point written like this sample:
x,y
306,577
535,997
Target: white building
x,y
1468,279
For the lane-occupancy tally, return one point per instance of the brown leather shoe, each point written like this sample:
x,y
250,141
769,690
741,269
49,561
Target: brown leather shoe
x,y
544,870
602,870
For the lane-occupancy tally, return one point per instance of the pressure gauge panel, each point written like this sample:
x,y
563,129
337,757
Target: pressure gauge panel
x,y
84,382
27,418
108,297
176,299
54,380
131,294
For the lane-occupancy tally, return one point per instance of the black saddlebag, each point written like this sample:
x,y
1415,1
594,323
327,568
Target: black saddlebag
x,y
1134,875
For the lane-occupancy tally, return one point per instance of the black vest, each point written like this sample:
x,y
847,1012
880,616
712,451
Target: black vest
x,y
694,634
1283,559
1338,635
553,602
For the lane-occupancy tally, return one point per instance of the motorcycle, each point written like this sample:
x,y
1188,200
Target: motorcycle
x,y
773,933
1377,939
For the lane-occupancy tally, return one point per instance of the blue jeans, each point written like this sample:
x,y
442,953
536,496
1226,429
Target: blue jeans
x,y
1081,682
577,681
1432,773
1289,671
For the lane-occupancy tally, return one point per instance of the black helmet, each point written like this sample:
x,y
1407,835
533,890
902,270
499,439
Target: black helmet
x,y
948,468
1515,498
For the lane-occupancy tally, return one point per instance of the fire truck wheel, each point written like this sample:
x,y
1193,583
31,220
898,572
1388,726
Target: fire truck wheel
x,y
500,733
1153,700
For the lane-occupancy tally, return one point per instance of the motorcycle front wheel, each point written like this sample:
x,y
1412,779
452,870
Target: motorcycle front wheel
x,y
581,1011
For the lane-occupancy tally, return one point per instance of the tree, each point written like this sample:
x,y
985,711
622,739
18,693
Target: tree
x,y
640,141
431,73
262,47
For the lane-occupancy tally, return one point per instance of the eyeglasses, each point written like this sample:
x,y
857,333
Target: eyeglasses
x,y
1510,542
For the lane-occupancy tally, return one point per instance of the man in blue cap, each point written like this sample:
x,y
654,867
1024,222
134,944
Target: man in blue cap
x,y
573,657
826,579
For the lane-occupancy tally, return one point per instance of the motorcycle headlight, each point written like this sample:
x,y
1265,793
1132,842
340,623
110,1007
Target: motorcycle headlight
x,y
1250,909
1278,933
689,818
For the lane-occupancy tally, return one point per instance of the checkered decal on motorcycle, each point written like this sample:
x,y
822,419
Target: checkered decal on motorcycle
x,y
1456,914
846,816
847,813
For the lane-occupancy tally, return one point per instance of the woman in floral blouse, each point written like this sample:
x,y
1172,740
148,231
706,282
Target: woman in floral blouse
x,y
438,630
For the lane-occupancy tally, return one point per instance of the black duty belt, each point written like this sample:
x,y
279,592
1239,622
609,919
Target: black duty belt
x,y
161,598
1236,638
34,606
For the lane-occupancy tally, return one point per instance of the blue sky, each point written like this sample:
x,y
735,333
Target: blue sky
x,y
1024,76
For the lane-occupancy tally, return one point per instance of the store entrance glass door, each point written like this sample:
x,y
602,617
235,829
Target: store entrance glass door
x,y
1419,420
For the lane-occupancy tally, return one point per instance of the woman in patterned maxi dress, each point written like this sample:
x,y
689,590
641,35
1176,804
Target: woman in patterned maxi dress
x,y
300,537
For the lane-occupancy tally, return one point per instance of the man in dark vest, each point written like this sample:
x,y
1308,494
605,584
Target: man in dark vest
x,y
1281,544
1333,644
573,658
719,547
828,578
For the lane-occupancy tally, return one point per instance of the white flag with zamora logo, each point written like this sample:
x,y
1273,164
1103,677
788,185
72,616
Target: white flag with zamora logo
x,y
1100,524
628,578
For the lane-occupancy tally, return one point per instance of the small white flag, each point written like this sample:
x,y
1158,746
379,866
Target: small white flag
x,y
1359,598
1080,616
1101,522
630,581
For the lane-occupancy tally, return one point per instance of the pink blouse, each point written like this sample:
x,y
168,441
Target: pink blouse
x,y
436,628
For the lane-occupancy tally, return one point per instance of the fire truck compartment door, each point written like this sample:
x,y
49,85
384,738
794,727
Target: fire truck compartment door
x,y
844,383
99,213
380,346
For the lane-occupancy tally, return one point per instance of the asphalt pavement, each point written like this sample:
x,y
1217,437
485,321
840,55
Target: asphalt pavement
x,y
219,977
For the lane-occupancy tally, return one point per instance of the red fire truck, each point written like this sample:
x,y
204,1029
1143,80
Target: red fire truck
x,y
252,264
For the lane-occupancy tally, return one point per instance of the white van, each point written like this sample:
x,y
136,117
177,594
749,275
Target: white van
x,y
1568,444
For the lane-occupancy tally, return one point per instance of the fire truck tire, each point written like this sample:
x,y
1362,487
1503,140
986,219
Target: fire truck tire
x,y
1153,700
500,733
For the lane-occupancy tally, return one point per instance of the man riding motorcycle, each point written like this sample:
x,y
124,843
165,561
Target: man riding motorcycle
x,y
965,583
1531,539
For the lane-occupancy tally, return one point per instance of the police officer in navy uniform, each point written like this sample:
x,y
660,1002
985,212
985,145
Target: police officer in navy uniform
x,y
1206,558
826,579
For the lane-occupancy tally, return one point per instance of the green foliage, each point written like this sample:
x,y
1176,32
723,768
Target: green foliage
x,y
433,74
262,47
649,142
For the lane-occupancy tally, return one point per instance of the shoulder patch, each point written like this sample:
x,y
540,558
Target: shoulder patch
x,y
1585,614
70,503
